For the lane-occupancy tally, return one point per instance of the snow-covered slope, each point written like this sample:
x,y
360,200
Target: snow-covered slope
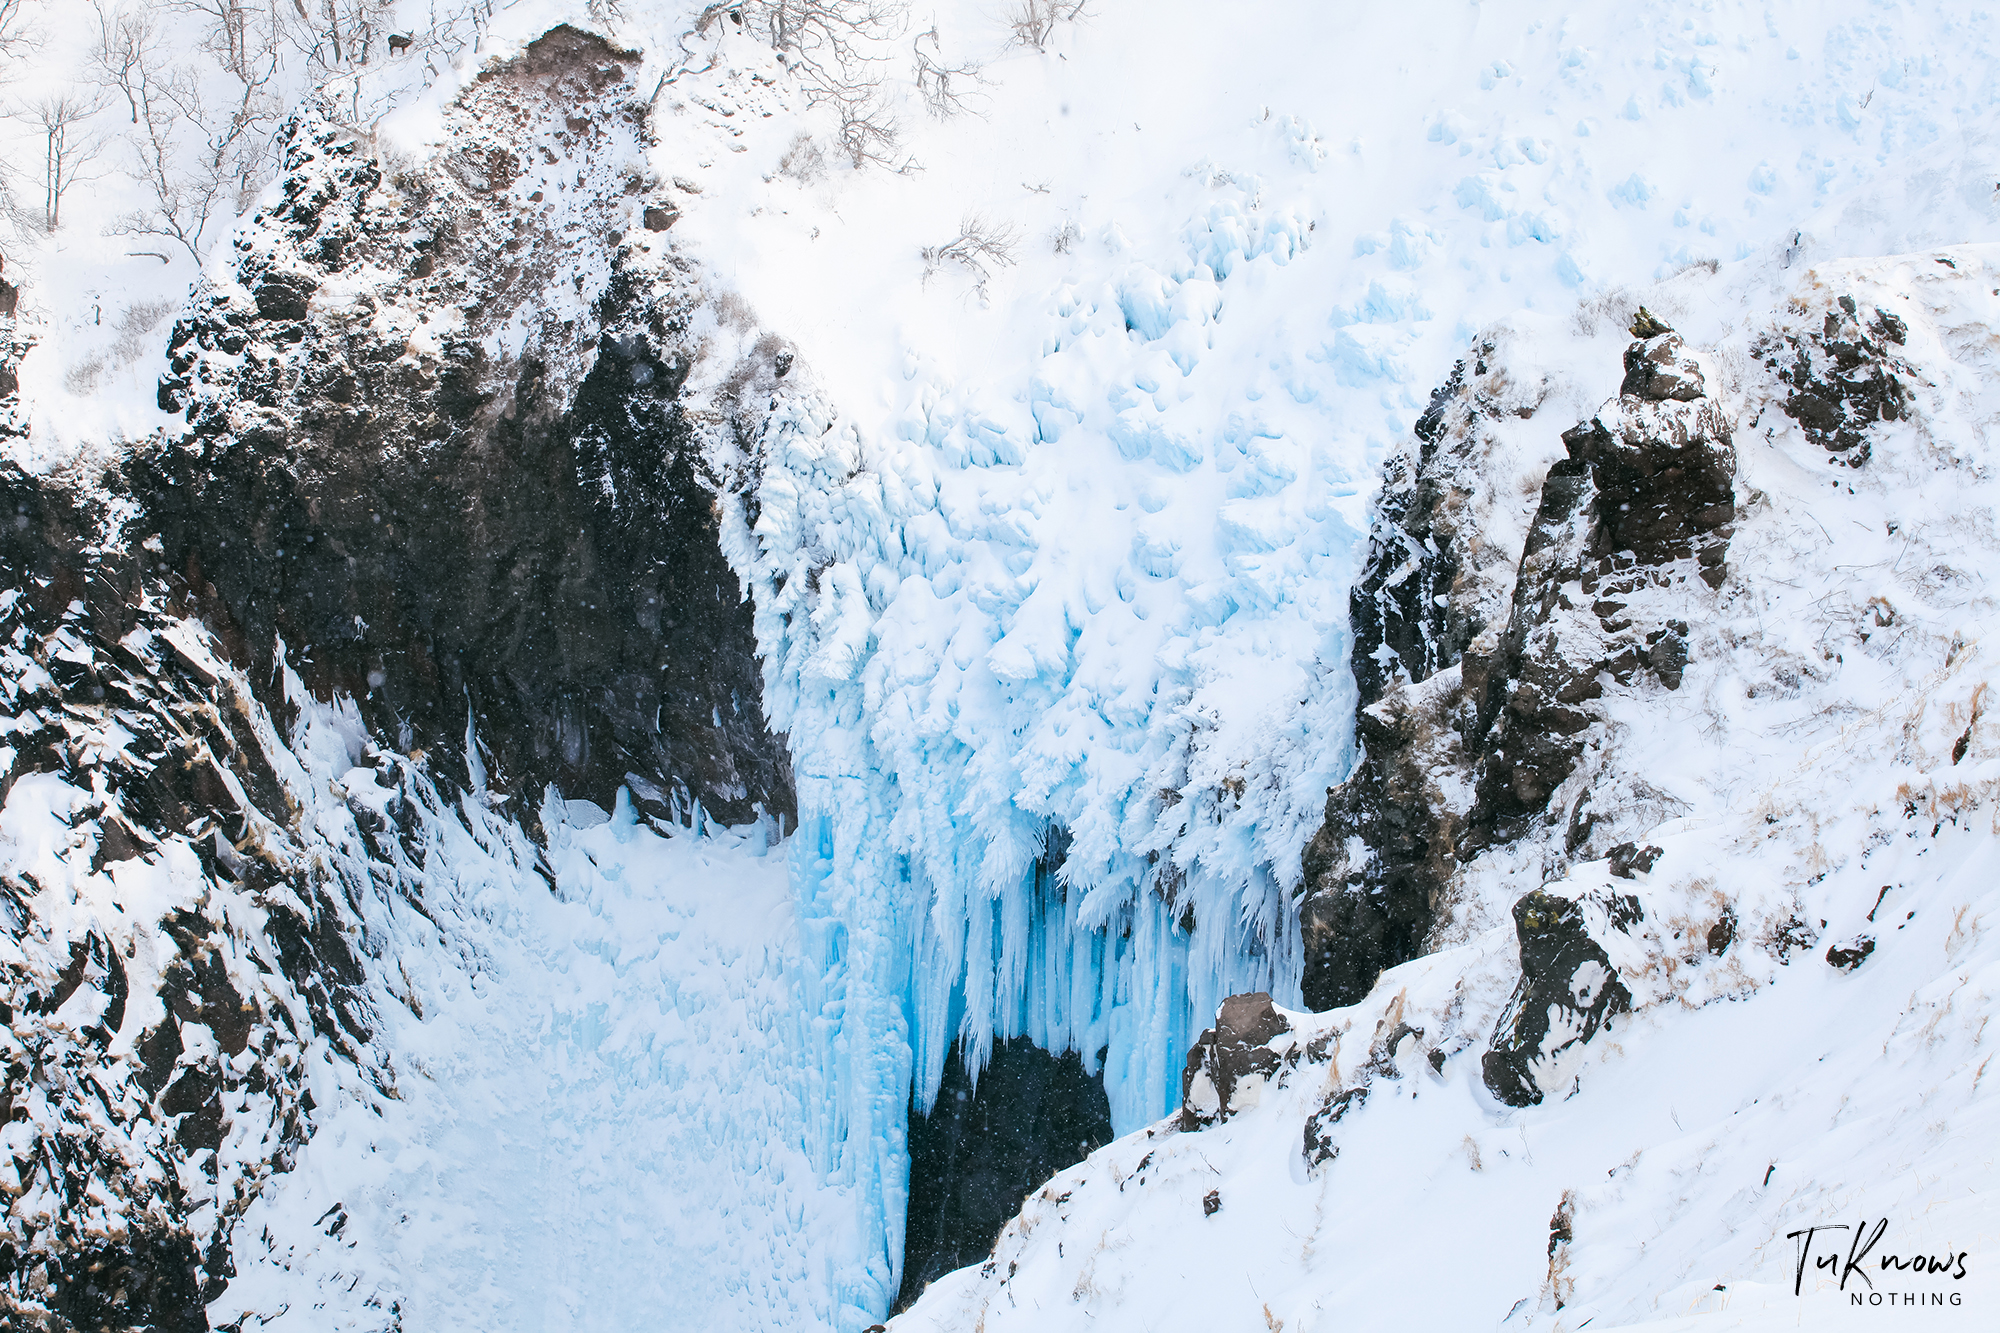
x,y
1770,1017
590,1076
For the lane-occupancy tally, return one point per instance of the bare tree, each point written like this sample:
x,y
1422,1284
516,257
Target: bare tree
x,y
868,129
828,40
17,37
939,84
195,156
978,244
1034,21
68,147
239,36
198,164
123,53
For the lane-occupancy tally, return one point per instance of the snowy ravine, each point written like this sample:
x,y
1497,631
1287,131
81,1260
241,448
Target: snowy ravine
x,y
593,454
1765,1011
588,1076
453,1076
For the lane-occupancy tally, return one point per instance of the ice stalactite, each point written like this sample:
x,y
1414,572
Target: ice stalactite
x,y
1063,675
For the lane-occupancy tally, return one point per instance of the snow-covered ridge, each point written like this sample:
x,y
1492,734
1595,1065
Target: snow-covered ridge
x,y
1791,957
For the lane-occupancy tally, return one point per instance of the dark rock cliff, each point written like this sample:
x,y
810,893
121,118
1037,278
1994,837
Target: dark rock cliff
x,y
982,1149
526,541
1476,707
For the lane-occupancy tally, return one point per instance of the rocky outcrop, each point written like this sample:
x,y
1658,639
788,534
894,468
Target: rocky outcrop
x,y
982,1148
174,968
1843,378
1637,505
437,455
1569,991
1483,706
1229,1059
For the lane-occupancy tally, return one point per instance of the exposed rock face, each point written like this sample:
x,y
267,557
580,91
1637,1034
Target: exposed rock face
x,y
982,1150
1844,379
157,1053
1482,708
1631,508
1236,1051
527,543
1569,990
1402,605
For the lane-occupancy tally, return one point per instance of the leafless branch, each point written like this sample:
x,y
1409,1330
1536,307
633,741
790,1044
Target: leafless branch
x,y
940,85
123,52
195,159
1034,21
868,130
830,46
979,243
17,36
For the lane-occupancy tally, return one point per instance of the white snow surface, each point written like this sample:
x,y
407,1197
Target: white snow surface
x,y
594,1085
1068,548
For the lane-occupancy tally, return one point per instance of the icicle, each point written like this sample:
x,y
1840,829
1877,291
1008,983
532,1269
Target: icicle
x,y
624,819
474,766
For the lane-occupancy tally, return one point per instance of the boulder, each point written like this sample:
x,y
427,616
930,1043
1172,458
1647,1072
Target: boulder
x,y
1569,992
1217,1080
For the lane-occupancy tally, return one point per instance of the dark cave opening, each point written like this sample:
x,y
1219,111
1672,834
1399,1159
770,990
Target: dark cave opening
x,y
982,1149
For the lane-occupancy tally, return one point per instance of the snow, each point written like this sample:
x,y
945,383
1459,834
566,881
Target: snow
x,y
1058,556
592,1076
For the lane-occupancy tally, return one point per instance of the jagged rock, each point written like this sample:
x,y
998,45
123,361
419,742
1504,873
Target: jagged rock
x,y
1569,991
155,1068
1401,604
982,1148
1843,378
1657,368
1229,1061
1850,954
1482,707
1628,859
518,553
1438,578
